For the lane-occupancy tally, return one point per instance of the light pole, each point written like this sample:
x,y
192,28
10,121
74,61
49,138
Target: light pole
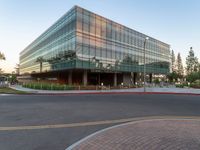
x,y
145,41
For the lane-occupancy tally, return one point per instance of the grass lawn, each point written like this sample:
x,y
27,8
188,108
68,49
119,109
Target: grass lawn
x,y
10,91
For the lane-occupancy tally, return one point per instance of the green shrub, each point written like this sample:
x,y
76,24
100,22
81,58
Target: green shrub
x,y
195,76
48,86
195,84
156,81
179,85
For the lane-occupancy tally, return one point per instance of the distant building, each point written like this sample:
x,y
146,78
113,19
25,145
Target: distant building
x,y
85,48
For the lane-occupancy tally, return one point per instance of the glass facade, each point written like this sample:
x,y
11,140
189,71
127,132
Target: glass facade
x,y
84,40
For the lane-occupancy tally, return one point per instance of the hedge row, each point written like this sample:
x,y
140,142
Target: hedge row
x,y
195,84
53,86
47,86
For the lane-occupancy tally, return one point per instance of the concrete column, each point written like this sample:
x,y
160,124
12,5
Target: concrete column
x,y
115,79
85,78
150,77
70,77
134,77
99,79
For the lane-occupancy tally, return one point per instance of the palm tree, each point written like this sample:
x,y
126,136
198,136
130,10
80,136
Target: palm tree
x,y
40,60
2,56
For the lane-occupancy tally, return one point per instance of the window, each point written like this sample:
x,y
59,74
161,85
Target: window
x,y
103,31
85,50
86,40
86,27
98,27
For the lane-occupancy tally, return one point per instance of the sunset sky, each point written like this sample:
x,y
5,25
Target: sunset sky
x,y
176,22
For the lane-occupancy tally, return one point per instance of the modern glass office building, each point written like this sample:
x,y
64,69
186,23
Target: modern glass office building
x,y
85,48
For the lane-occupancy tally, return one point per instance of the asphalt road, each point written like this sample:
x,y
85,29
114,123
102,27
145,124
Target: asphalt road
x,y
40,111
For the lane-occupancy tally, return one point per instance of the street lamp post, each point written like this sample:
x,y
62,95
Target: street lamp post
x,y
145,41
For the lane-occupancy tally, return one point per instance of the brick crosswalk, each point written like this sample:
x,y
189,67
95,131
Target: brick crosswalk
x,y
176,134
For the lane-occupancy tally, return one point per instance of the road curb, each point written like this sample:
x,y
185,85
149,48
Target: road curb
x,y
111,93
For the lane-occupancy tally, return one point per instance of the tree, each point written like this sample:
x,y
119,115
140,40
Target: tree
x,y
40,60
173,76
13,79
179,65
2,56
193,77
191,62
199,66
173,61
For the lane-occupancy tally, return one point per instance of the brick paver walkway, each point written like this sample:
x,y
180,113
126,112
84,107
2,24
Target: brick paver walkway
x,y
145,135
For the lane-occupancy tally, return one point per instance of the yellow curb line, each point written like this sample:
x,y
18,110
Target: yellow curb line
x,y
82,124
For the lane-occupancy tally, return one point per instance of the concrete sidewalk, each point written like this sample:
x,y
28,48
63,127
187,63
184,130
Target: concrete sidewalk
x,y
131,90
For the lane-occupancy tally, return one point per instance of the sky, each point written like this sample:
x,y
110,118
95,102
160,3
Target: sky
x,y
176,22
